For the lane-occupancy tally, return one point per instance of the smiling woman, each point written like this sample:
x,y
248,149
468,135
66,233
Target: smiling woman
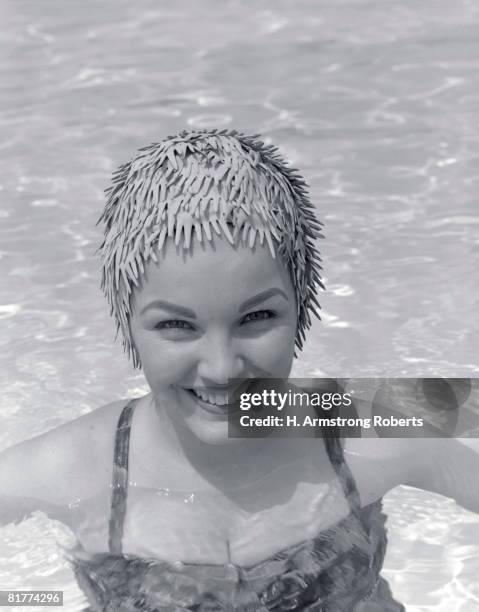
x,y
210,267
229,328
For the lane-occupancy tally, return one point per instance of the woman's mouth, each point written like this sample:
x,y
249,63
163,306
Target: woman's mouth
x,y
218,403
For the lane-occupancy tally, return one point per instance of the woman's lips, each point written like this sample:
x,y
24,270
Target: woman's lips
x,y
218,410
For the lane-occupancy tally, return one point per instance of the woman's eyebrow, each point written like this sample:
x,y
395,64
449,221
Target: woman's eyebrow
x,y
190,314
174,308
261,297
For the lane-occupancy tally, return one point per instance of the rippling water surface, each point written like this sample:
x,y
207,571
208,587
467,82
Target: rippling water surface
x,y
376,102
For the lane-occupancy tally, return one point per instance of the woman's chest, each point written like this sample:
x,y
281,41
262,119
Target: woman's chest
x,y
211,526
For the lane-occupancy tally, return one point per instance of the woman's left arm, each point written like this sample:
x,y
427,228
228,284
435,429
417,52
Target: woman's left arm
x,y
448,466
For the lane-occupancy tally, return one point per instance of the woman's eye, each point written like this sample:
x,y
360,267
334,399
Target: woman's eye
x,y
259,315
178,324
173,324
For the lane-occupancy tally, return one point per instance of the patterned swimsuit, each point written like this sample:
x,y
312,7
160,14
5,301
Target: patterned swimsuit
x,y
337,571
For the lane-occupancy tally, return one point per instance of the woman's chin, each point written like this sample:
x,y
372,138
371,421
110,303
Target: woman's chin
x,y
210,431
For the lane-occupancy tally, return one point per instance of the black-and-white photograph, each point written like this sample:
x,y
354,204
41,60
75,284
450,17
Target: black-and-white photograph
x,y
239,336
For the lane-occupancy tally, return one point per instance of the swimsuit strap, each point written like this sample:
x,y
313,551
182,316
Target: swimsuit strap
x,y
334,448
119,481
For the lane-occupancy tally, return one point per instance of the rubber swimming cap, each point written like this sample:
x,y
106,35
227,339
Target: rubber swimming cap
x,y
203,183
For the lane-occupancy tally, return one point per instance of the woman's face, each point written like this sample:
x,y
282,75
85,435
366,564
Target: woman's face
x,y
205,317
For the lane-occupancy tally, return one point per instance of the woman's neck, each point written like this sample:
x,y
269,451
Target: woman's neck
x,y
236,463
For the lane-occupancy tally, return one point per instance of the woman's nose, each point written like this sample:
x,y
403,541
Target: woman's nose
x,y
220,360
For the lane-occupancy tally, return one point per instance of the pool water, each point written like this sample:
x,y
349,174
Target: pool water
x,y
376,102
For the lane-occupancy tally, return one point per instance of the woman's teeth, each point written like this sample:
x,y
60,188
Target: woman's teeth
x,y
217,399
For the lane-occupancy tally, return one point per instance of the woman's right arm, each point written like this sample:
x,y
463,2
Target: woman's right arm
x,y
27,480
61,466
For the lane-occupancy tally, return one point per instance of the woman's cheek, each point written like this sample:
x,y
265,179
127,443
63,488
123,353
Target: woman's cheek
x,y
273,351
163,362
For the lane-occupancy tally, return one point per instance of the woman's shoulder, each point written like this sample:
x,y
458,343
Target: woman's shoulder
x,y
378,465
83,450
72,461
92,428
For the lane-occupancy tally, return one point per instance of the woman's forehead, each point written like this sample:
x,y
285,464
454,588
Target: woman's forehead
x,y
216,269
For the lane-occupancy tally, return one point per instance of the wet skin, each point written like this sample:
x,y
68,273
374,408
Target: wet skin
x,y
209,332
